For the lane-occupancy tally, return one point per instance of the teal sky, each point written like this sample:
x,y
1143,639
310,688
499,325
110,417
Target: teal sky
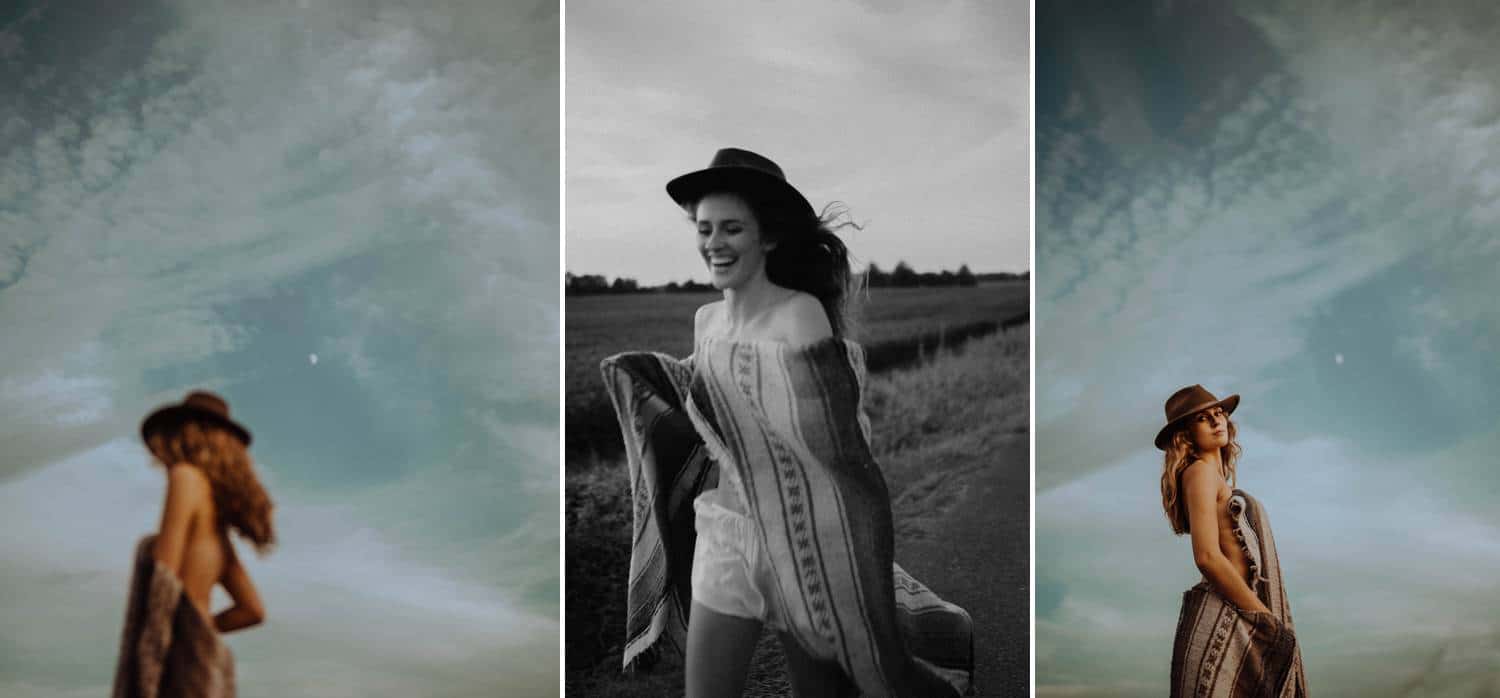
x,y
1295,202
342,217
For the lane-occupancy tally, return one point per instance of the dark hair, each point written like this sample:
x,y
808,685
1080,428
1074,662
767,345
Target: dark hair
x,y
808,256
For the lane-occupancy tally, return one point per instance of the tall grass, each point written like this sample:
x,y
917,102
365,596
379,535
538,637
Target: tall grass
x,y
897,327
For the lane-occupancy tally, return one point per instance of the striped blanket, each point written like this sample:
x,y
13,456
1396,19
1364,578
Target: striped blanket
x,y
168,648
788,420
1220,652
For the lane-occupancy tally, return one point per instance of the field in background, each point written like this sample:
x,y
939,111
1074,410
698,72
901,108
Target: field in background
x,y
939,429
897,326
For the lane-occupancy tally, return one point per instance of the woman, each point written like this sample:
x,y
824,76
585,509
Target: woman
x,y
170,645
1234,635
796,533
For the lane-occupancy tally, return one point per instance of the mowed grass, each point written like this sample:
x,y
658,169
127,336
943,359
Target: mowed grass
x,y
933,427
599,326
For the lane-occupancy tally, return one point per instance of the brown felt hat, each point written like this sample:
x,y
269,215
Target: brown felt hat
x,y
737,170
199,405
1187,402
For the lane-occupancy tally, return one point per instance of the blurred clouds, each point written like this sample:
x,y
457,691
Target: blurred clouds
x,y
914,115
1311,227
205,194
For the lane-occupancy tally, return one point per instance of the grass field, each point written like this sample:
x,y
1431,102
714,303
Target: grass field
x,y
939,431
895,326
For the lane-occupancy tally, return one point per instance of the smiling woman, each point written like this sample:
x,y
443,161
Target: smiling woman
x,y
736,477
757,502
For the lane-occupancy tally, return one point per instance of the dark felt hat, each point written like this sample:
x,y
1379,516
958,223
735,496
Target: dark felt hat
x,y
199,405
736,170
1187,402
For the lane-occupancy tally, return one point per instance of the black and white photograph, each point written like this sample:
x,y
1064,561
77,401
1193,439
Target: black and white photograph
x,y
796,349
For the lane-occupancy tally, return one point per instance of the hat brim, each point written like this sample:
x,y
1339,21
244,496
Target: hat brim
x,y
693,186
1164,436
172,415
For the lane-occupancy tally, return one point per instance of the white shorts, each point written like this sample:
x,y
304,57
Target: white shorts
x,y
730,573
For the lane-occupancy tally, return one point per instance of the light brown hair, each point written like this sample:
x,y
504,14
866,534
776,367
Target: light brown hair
x,y
1180,453
242,503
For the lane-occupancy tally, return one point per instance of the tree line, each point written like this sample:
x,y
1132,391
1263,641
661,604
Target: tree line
x,y
900,276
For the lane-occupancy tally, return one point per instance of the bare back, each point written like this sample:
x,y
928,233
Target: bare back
x,y
204,560
191,539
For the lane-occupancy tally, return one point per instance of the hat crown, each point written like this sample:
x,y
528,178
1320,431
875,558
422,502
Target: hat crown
x,y
208,402
737,157
1185,400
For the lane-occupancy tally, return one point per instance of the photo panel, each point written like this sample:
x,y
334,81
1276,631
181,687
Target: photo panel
x,y
797,348
321,236
1265,280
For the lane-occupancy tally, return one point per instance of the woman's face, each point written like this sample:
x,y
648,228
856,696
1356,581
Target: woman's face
x,y
1209,429
730,240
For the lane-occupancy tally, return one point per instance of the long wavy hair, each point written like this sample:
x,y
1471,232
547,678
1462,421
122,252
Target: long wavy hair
x,y
808,256
239,498
1181,453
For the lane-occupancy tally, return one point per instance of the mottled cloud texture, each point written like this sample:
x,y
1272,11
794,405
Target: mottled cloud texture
x,y
914,115
208,195
1295,202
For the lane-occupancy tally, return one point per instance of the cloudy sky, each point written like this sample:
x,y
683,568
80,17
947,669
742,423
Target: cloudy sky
x,y
915,115
1295,202
340,215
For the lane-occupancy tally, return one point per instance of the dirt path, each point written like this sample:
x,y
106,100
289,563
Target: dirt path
x,y
963,532
977,555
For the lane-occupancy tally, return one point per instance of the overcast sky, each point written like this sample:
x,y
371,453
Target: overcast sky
x,y
915,115
341,216
1295,203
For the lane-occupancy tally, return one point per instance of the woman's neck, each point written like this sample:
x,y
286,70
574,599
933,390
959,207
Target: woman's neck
x,y
745,304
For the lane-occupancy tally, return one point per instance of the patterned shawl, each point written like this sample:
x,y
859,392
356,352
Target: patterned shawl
x,y
788,420
168,649
1220,652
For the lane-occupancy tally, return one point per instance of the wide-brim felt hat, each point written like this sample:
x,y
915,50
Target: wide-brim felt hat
x,y
1187,402
199,406
737,170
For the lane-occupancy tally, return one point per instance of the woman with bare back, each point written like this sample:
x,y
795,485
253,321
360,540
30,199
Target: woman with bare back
x,y
1234,634
170,645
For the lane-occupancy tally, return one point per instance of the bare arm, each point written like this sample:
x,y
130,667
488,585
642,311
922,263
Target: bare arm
x,y
247,609
187,487
1201,487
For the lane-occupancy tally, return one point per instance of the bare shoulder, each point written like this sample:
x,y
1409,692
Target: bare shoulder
x,y
708,311
704,318
1201,477
188,479
803,319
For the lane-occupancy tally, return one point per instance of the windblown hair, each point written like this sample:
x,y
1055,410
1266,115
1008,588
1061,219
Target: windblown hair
x,y
239,499
809,256
1181,453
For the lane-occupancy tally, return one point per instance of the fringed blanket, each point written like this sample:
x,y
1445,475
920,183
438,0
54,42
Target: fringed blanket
x,y
168,648
788,420
1220,652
